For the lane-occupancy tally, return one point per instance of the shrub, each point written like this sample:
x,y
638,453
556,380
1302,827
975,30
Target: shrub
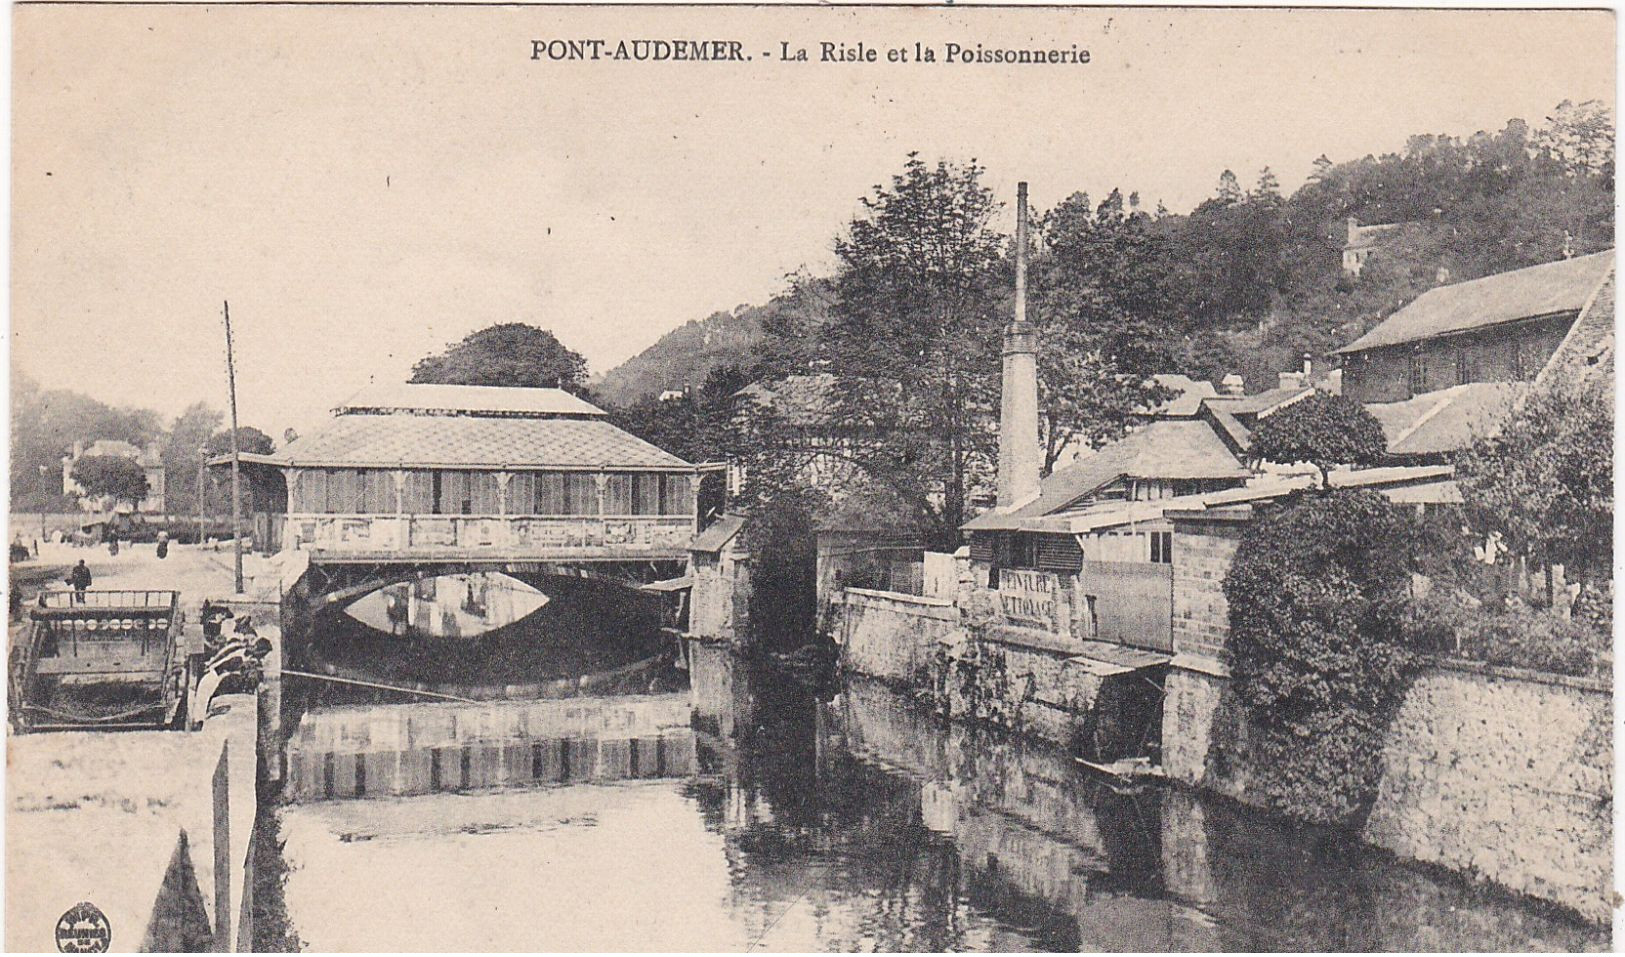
x,y
1515,636
1319,651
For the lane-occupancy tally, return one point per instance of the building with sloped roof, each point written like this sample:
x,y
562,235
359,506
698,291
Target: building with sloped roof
x,y
1500,328
441,472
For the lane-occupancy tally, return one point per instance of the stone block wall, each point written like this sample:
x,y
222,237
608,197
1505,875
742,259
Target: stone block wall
x,y
1203,551
1506,775
894,636
1500,773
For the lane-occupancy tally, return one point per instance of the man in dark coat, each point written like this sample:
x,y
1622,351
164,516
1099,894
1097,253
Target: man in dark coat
x,y
80,579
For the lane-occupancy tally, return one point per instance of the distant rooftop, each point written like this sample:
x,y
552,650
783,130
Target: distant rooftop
x,y
1447,420
1544,290
476,400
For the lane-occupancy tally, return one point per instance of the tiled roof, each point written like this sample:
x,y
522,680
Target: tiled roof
x,y
717,534
1188,395
1547,289
1165,449
1262,403
467,399
126,450
1448,420
1587,352
470,441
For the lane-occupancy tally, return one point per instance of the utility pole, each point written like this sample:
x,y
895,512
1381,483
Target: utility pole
x,y
202,491
236,461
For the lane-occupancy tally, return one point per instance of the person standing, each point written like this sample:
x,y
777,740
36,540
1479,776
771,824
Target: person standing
x,y
80,579
163,544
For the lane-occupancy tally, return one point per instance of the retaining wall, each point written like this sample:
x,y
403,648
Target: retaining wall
x,y
1501,773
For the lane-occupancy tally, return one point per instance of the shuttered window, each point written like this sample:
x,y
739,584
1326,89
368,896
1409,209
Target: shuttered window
x,y
484,493
580,494
418,496
677,495
377,492
618,494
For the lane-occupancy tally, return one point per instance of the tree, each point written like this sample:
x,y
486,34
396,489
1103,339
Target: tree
x,y
1545,481
183,454
114,477
1318,594
1268,185
1104,304
506,354
249,440
913,339
45,424
1581,137
1323,430
1229,191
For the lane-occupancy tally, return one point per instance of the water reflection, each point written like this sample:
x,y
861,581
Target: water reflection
x,y
447,606
859,823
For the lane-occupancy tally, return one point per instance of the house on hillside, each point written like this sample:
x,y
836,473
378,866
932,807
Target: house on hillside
x,y
1448,368
152,464
1362,241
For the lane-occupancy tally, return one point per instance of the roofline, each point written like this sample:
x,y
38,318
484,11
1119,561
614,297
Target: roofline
x,y
1355,346
1591,300
272,460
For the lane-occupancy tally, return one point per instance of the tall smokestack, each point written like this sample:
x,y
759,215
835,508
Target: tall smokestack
x,y
1018,407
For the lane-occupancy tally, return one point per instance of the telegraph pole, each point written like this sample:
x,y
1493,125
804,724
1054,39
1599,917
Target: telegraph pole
x,y
236,460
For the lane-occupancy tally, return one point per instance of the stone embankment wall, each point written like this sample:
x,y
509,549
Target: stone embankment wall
x,y
1500,773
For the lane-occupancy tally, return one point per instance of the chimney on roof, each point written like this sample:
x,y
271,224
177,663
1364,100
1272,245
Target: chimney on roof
x,y
1568,245
1308,366
1233,384
1441,275
1354,230
1018,394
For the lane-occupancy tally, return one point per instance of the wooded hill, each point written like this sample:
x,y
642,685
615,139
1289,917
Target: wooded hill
x,y
1250,280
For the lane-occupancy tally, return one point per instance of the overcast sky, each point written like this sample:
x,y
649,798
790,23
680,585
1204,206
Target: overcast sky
x,y
366,185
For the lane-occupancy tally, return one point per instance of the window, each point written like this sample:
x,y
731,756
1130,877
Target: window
x,y
418,495
1419,372
1464,367
552,493
1162,547
676,495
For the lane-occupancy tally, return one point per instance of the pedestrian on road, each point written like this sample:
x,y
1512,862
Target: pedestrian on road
x,y
112,545
163,544
80,579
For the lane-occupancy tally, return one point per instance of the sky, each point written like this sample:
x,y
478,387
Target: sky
x,y
365,185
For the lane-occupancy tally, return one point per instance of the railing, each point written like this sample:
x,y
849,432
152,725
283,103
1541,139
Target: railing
x,y
155,599
539,536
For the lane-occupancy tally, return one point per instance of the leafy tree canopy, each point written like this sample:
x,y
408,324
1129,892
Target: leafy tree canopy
x,y
1545,481
506,354
249,439
1317,593
1323,430
111,476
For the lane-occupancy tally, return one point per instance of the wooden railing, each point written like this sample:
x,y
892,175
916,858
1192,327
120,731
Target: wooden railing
x,y
515,536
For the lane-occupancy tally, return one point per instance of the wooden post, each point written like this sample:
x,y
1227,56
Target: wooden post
x,y
236,463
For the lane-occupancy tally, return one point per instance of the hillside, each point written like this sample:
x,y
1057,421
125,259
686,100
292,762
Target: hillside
x,y
688,353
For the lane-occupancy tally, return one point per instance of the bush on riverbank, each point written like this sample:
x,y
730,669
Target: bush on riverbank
x,y
1516,636
1320,657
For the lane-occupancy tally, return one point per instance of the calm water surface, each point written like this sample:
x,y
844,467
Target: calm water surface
x,y
741,815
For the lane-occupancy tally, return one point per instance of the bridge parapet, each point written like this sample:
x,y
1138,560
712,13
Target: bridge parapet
x,y
521,537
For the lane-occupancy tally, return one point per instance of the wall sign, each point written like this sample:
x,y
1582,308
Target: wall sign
x,y
1028,596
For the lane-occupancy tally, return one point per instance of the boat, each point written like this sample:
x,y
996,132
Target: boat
x,y
102,660
1126,769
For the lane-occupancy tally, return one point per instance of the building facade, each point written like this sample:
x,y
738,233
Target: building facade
x,y
1501,328
152,465
432,472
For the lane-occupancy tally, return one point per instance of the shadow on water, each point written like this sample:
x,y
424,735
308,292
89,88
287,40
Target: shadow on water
x,y
748,813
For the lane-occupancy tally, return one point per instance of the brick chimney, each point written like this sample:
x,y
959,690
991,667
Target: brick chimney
x,y
1018,395
1233,384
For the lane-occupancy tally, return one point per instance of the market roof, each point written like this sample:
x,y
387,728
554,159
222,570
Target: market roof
x,y
1547,289
1447,420
473,441
1165,449
489,400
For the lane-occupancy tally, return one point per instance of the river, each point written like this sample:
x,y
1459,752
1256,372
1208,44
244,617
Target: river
x,y
743,814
